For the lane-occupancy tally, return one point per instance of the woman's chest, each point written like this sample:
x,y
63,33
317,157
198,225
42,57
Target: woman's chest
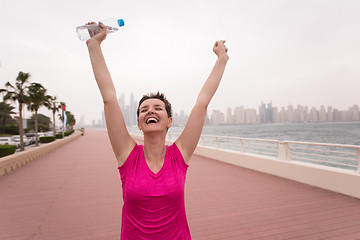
x,y
142,184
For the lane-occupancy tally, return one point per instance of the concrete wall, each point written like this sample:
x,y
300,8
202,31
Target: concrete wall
x,y
17,160
333,179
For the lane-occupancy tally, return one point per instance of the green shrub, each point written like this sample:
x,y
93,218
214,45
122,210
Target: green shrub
x,y
47,139
12,129
68,133
59,136
7,150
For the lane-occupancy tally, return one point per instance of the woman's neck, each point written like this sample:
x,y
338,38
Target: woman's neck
x,y
154,148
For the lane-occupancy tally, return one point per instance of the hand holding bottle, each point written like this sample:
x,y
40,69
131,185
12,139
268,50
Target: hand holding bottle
x,y
100,35
91,29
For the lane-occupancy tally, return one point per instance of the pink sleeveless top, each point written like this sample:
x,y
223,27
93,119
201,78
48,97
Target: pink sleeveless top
x,y
154,205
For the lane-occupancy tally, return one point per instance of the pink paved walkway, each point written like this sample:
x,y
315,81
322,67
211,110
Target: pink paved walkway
x,y
75,193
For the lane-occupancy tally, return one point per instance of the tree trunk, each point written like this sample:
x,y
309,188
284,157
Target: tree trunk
x,y
21,130
36,128
54,130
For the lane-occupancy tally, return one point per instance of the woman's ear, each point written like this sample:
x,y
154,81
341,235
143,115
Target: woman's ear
x,y
169,122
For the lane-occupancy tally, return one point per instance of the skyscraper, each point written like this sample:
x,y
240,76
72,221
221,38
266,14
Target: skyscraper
x,y
229,116
239,115
322,114
217,117
266,113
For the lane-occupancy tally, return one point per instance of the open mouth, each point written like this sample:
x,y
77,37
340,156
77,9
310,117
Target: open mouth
x,y
151,120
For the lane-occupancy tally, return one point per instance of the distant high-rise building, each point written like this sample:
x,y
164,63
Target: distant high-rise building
x,y
250,116
121,101
343,116
127,115
299,114
262,112
129,111
239,115
266,113
336,115
314,115
303,115
330,114
282,115
82,121
132,111
322,114
306,113
182,118
270,113
207,119
175,121
217,117
229,116
276,115
290,114
354,113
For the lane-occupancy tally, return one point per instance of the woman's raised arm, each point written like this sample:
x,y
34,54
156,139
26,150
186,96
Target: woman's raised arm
x,y
189,138
121,141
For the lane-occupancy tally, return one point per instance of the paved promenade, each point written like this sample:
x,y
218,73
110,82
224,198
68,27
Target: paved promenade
x,y
74,193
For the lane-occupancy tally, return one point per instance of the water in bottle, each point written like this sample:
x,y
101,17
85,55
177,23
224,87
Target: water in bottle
x,y
85,32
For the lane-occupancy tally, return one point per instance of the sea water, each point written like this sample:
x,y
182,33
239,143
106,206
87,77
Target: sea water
x,y
337,133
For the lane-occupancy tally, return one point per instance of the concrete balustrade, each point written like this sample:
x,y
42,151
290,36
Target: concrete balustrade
x,y
333,179
17,160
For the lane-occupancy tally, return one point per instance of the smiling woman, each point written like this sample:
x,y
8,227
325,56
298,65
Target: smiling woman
x,y
153,175
152,107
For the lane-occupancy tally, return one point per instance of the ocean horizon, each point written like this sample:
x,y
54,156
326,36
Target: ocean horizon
x,y
328,132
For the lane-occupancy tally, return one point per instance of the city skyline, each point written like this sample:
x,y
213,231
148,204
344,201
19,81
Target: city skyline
x,y
266,113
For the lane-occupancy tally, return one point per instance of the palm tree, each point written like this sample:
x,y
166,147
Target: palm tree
x,y
17,93
5,114
36,98
71,119
52,105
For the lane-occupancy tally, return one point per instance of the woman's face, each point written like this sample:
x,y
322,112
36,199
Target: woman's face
x,y
153,116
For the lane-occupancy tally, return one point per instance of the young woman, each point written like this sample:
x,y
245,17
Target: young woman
x,y
153,174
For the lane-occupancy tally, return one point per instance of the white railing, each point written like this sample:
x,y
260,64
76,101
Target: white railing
x,y
333,155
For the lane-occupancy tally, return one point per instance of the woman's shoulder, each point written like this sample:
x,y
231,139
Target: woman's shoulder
x,y
176,154
134,154
173,148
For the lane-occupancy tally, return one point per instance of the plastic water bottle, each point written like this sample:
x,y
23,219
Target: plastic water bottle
x,y
85,32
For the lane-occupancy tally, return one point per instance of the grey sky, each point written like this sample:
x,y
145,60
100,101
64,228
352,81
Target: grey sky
x,y
298,52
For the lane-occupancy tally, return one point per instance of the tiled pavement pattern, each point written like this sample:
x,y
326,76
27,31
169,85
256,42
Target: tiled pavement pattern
x,y
74,193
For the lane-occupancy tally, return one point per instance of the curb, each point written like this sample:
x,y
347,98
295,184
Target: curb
x,y
18,160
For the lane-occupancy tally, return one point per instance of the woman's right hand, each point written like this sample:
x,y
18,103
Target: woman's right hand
x,y
99,37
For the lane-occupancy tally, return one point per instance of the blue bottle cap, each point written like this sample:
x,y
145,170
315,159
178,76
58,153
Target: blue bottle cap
x,y
121,22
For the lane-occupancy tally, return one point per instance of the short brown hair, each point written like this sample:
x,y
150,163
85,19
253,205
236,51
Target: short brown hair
x,y
159,96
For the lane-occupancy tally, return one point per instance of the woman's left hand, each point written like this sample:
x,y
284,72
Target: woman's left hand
x,y
220,49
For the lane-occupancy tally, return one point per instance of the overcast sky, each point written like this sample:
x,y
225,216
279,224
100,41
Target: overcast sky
x,y
289,52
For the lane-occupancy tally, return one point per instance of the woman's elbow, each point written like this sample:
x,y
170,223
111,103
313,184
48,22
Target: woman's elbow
x,y
109,101
200,105
202,102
